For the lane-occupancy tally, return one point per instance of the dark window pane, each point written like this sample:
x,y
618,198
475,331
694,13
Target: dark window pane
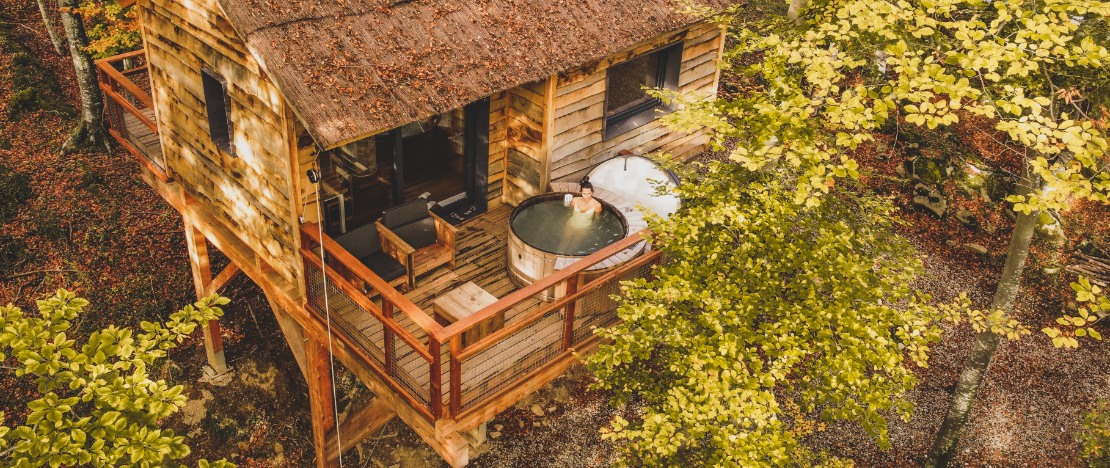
x,y
628,80
218,106
435,157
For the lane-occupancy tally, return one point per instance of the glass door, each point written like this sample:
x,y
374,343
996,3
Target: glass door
x,y
434,155
443,158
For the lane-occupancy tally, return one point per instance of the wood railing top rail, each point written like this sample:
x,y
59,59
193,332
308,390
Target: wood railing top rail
x,y
562,302
123,56
105,66
444,334
363,273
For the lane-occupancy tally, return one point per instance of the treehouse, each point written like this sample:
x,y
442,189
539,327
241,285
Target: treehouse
x,y
360,161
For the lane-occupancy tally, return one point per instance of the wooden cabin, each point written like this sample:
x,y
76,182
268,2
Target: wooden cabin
x,y
474,106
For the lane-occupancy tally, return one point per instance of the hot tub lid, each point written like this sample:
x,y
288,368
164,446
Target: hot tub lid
x,y
629,177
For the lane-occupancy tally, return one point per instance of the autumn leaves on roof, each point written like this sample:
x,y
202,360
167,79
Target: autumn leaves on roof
x,y
354,67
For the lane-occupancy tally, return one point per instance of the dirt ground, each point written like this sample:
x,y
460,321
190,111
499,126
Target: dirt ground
x,y
117,244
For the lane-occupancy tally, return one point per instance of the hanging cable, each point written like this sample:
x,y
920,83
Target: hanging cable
x,y
314,177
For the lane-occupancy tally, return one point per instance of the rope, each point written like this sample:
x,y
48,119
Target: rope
x,y
327,314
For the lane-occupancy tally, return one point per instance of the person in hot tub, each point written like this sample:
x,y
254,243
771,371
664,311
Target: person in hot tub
x,y
584,209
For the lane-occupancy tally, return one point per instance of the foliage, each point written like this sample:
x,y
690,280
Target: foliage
x,y
112,29
98,406
1094,306
858,64
762,300
1095,435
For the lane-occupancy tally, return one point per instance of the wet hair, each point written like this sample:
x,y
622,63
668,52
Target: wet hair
x,y
585,184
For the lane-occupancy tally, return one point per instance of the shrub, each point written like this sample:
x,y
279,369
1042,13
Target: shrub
x,y
1095,435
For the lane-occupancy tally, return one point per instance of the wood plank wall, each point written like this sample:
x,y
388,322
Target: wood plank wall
x,y
577,144
525,153
252,194
498,148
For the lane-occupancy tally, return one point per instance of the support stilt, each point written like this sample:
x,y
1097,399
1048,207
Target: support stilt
x,y
320,397
202,278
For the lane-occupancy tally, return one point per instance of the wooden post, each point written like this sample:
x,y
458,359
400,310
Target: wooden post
x,y
320,397
568,332
390,348
435,377
456,375
202,277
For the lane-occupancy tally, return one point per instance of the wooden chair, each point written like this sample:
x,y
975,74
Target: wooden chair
x,y
417,238
365,244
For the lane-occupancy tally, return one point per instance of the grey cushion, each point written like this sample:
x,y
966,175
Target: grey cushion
x,y
418,234
405,213
386,267
363,243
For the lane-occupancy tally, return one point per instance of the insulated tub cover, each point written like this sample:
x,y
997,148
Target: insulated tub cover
x,y
630,177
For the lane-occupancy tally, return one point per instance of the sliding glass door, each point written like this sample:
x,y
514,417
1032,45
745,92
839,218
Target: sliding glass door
x,y
442,158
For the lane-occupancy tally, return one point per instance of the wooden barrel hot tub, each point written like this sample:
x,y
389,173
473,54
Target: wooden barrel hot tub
x,y
528,263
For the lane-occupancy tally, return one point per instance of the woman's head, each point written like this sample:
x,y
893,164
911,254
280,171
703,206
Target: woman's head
x,y
586,188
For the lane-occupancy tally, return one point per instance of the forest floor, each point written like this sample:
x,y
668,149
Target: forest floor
x,y
93,227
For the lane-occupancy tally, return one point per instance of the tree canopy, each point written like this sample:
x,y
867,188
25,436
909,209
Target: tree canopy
x,y
764,305
98,405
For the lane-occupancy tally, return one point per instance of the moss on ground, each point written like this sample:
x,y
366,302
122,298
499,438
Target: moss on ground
x,y
34,87
15,190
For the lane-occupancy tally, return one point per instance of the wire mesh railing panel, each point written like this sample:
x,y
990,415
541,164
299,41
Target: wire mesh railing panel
x,y
411,371
513,357
597,308
445,374
347,315
128,113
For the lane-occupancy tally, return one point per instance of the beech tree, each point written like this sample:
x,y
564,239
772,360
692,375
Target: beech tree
x,y
90,129
98,405
51,30
1037,69
765,311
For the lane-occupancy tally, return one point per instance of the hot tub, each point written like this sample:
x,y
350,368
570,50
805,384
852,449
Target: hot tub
x,y
542,241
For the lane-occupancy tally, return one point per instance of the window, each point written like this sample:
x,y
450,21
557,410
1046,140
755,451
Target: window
x,y
218,105
627,103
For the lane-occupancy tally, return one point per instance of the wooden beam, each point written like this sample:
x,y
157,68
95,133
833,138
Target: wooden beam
x,y
229,273
537,379
320,396
197,245
359,425
294,334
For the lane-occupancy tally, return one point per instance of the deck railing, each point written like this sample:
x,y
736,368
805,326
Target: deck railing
x,y
484,372
384,328
125,81
428,363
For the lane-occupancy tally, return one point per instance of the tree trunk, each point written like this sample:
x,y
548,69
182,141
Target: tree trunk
x,y
947,442
59,46
795,11
90,130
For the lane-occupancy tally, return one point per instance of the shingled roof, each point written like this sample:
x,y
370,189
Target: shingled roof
x,y
353,67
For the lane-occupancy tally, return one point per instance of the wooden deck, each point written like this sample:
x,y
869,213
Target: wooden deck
x,y
491,367
143,138
480,257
